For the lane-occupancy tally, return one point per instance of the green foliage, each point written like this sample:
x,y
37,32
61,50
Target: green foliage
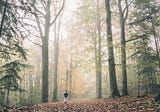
x,y
147,61
140,2
11,39
10,75
145,11
157,98
12,31
12,49
144,20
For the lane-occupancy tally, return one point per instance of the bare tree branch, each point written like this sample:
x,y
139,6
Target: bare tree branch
x,y
139,36
52,22
126,14
34,42
35,9
39,25
127,6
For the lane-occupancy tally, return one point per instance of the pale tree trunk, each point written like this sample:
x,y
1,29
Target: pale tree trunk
x,y
98,56
156,42
56,50
31,91
70,84
123,13
67,78
70,71
38,82
56,55
114,92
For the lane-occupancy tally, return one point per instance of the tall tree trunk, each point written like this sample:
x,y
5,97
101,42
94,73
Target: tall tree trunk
x,y
45,70
39,15
67,79
70,83
114,92
8,91
56,55
123,48
71,72
98,56
156,42
45,55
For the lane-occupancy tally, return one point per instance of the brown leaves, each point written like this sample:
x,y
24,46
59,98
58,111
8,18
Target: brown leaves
x,y
123,104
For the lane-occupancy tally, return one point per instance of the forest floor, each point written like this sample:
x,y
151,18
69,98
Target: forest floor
x,y
122,104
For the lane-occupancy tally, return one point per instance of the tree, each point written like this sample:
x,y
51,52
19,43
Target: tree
x,y
148,14
44,16
144,22
11,46
57,29
114,92
98,55
10,72
92,23
146,65
11,36
123,14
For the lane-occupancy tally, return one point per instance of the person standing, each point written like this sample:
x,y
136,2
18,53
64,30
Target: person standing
x,y
65,96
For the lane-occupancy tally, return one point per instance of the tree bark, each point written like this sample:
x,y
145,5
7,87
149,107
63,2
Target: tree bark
x,y
114,92
98,56
56,55
45,37
156,42
45,55
123,48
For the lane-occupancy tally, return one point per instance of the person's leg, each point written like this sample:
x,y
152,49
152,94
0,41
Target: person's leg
x,y
65,99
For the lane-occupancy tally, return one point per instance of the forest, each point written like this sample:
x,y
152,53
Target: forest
x,y
105,53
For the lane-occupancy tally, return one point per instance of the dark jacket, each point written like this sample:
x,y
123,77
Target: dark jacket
x,y
65,94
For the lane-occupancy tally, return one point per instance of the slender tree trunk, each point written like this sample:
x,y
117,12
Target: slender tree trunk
x,y
70,83
67,78
20,94
114,92
44,36
8,91
138,82
98,56
71,72
56,55
123,50
31,88
156,43
97,71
